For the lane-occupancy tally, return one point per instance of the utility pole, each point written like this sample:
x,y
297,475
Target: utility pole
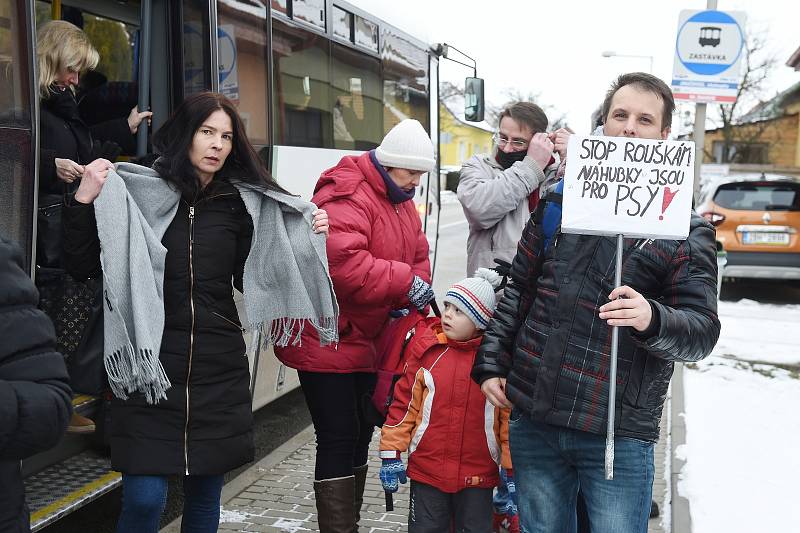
x,y
700,129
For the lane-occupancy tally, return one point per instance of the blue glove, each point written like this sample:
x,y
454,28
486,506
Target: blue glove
x,y
392,471
508,476
420,294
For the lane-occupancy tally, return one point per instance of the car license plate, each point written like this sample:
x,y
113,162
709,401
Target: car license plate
x,y
776,239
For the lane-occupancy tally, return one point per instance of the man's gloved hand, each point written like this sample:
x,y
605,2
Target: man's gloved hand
x,y
420,294
392,472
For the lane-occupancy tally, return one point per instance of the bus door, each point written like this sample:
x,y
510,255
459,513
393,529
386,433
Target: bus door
x,y
18,102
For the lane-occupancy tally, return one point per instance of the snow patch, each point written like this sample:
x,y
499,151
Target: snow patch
x,y
290,525
227,516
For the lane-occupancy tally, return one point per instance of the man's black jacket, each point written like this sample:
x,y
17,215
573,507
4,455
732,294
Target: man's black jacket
x,y
35,398
546,337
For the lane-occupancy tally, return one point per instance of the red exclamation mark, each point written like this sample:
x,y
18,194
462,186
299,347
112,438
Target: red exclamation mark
x,y
666,200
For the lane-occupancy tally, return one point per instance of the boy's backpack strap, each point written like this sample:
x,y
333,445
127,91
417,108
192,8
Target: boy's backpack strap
x,y
549,223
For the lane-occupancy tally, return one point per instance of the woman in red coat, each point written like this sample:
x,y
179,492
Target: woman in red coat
x,y
378,258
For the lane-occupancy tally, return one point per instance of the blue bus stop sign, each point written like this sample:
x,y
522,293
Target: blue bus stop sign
x,y
708,53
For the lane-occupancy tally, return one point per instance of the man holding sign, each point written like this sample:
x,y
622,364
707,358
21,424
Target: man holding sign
x,y
547,352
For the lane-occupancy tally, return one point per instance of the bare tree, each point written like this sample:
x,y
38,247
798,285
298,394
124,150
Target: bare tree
x,y
744,121
453,94
556,119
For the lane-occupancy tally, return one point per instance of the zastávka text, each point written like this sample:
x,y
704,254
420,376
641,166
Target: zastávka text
x,y
634,188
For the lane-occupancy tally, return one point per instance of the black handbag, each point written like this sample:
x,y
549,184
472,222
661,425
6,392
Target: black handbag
x,y
76,309
48,230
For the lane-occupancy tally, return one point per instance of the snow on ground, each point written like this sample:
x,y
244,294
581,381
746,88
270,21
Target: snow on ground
x,y
759,332
743,424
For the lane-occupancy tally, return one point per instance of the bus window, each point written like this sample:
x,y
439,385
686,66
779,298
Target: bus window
x,y
405,83
301,60
16,168
310,11
196,53
243,75
357,99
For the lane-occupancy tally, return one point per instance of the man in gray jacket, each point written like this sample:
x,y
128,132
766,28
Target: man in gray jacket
x,y
499,191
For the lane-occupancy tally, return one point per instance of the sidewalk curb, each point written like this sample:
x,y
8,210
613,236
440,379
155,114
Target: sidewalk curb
x,y
681,517
252,474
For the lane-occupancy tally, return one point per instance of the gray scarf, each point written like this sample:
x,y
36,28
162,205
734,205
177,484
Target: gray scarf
x,y
286,279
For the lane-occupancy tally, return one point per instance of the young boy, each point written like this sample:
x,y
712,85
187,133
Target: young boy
x,y
454,437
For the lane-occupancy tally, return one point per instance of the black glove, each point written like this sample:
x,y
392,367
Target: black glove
x,y
504,269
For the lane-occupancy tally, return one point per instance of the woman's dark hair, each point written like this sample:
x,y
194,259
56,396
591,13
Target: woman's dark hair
x,y
173,141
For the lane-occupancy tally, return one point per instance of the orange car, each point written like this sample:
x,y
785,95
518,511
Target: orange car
x,y
757,219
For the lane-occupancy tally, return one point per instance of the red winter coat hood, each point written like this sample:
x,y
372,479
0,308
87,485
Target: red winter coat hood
x,y
375,248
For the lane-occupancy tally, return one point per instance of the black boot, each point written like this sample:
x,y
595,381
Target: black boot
x,y
334,498
360,474
654,511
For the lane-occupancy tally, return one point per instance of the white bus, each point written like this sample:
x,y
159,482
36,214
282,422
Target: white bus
x,y
313,80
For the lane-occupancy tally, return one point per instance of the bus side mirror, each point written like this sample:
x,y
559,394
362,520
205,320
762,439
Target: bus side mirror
x,y
473,99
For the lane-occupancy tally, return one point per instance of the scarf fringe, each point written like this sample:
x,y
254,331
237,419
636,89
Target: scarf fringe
x,y
282,332
130,370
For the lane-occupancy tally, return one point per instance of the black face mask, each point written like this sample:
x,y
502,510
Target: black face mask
x,y
508,159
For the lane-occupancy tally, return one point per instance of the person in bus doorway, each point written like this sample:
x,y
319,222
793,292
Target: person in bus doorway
x,y
35,398
379,263
66,145
546,350
175,240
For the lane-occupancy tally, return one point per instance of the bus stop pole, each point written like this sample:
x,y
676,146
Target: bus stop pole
x,y
144,74
612,372
700,130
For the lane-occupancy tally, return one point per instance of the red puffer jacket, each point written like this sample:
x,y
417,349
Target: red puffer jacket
x,y
375,248
454,437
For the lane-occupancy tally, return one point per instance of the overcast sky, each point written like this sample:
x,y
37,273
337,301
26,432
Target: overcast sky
x,y
553,48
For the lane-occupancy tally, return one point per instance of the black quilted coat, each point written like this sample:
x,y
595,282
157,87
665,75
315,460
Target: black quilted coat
x,y
35,398
547,339
205,426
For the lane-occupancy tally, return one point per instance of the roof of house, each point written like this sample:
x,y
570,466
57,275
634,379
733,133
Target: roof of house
x,y
794,60
774,107
459,116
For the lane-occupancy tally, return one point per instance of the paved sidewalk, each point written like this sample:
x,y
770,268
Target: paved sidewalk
x,y
276,494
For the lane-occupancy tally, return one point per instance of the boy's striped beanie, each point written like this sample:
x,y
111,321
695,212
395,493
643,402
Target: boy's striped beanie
x,y
475,296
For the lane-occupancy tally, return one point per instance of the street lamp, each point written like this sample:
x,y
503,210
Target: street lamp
x,y
609,53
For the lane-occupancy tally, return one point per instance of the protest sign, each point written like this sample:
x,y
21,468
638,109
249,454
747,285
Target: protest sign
x,y
639,188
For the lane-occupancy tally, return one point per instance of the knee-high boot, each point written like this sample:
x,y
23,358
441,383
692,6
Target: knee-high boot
x,y
360,474
335,510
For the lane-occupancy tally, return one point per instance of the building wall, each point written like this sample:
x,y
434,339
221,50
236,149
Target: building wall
x,y
460,141
782,137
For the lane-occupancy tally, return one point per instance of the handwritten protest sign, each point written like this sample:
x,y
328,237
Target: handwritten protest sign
x,y
639,188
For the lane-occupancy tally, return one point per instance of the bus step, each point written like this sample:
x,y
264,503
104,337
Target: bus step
x,y
66,486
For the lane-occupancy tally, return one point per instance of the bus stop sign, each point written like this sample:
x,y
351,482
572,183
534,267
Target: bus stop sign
x,y
708,55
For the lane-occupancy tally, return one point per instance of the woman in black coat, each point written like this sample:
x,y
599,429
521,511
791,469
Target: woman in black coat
x,y
35,399
204,426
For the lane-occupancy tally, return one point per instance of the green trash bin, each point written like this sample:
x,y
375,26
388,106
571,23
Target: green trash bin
x,y
722,260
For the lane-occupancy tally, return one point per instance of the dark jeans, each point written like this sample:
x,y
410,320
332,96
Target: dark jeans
x,y
433,511
343,434
552,463
144,498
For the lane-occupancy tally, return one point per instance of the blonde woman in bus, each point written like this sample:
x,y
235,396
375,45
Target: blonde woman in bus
x,y
67,144
176,239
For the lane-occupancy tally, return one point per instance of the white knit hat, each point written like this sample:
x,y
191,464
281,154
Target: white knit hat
x,y
475,296
407,145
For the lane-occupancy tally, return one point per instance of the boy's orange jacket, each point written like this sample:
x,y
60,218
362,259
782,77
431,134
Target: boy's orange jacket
x,y
454,437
